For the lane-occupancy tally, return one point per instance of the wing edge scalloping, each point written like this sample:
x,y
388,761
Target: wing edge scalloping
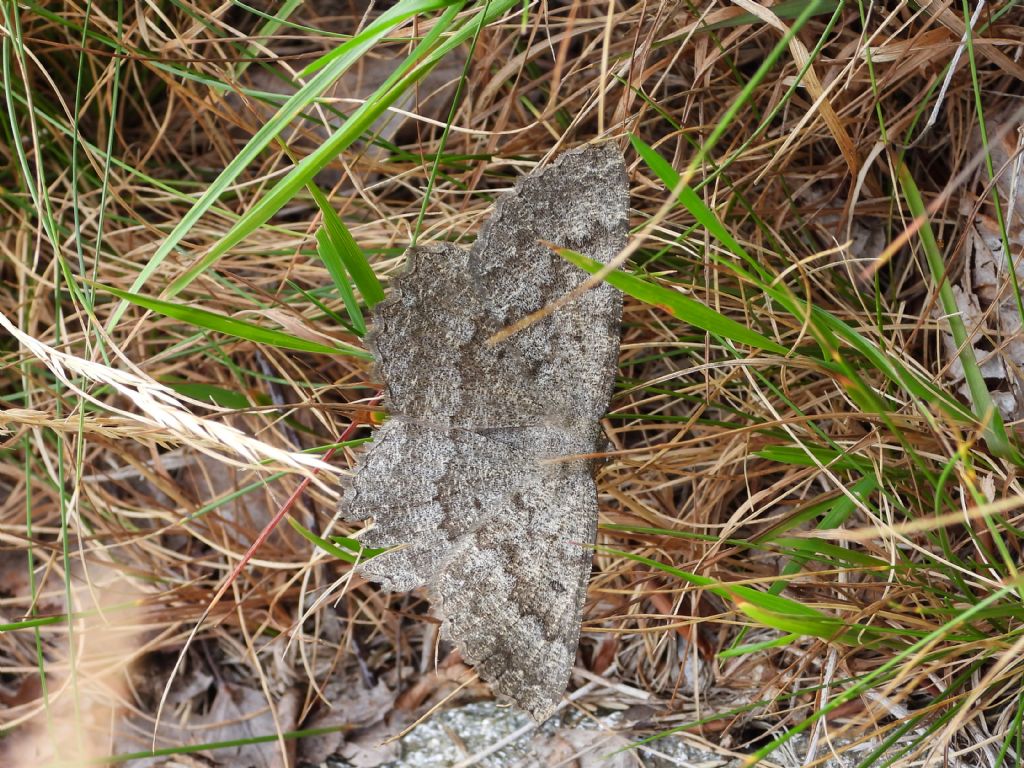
x,y
545,697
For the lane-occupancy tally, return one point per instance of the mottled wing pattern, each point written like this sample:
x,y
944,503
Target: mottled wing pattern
x,y
430,335
473,479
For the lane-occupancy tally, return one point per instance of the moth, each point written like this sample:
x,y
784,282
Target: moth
x,y
480,480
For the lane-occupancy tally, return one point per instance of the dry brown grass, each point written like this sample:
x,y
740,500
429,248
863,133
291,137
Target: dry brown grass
x,y
98,485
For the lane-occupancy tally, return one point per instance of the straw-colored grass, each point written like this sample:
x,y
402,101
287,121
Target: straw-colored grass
x,y
811,507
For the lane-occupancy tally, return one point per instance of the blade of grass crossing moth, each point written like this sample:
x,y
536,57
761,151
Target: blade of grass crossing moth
x,y
423,59
231,326
351,254
988,414
345,55
683,307
327,249
357,546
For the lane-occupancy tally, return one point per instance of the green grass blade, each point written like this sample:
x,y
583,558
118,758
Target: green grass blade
x,y
212,746
829,331
690,200
807,455
787,9
209,393
683,307
270,25
351,254
823,552
743,650
423,59
766,608
327,249
400,12
353,552
879,673
346,55
231,326
823,626
828,513
327,311
995,430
